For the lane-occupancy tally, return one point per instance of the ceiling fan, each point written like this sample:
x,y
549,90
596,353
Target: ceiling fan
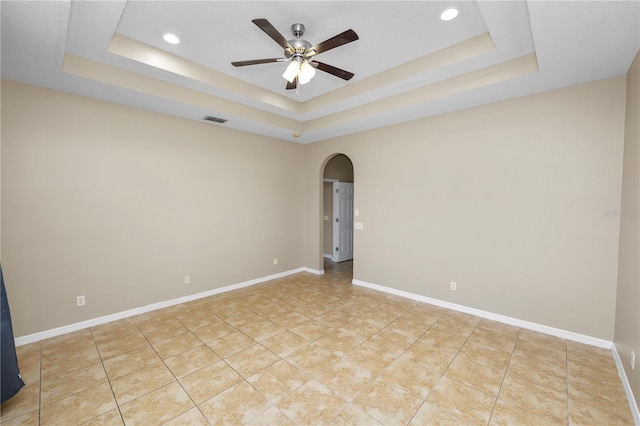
x,y
298,53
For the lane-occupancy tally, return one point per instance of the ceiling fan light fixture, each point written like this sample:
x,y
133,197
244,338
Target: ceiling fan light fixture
x,y
171,38
292,71
307,71
449,14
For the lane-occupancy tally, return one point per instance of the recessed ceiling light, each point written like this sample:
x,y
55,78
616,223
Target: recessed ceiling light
x,y
296,135
171,38
449,14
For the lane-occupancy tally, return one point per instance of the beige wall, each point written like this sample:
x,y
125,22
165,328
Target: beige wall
x,y
119,204
627,331
340,168
506,199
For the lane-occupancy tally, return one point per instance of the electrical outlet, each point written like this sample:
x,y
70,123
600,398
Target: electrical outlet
x,y
633,360
275,260
187,279
80,301
452,286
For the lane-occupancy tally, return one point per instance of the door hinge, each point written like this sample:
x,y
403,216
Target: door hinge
x,y
337,191
337,249
337,220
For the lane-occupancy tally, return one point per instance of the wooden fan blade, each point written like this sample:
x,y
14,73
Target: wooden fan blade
x,y
271,31
255,62
293,84
336,41
345,75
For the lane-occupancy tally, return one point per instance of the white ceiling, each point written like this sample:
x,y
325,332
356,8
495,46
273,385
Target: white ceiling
x,y
536,46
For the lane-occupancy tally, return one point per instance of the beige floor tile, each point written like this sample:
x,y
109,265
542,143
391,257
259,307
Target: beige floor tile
x,y
367,356
546,375
360,328
175,345
60,362
583,413
32,418
263,330
80,407
408,327
62,386
496,340
197,319
388,403
412,377
338,342
312,329
550,342
462,401
352,415
290,319
477,376
141,382
164,332
236,405
25,401
117,331
192,360
29,350
345,378
312,358
227,309
334,318
506,414
192,417
499,327
210,381
387,341
285,343
110,418
430,357
112,348
251,360
485,355
231,344
430,415
278,380
271,417
246,319
539,400
29,367
271,310
213,331
131,361
442,340
455,326
157,407
544,355
598,393
312,403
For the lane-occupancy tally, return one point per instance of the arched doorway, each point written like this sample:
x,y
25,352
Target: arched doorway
x,y
337,211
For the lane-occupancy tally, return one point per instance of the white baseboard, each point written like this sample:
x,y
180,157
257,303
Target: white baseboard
x,y
35,337
627,386
564,334
327,256
313,271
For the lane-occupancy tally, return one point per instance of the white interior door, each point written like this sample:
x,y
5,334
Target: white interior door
x,y
343,221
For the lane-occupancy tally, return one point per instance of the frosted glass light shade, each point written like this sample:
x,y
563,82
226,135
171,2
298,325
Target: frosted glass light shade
x,y
292,71
307,71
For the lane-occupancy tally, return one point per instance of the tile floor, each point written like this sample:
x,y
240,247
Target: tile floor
x,y
313,350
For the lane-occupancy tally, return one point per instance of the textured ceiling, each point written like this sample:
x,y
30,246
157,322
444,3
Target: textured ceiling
x,y
407,63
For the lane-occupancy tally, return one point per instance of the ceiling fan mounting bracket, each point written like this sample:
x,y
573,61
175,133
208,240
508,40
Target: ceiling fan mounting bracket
x,y
297,30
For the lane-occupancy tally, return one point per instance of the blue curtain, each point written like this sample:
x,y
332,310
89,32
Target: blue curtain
x,y
10,379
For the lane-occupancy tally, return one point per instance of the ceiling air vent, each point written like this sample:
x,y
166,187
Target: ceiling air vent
x,y
215,119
